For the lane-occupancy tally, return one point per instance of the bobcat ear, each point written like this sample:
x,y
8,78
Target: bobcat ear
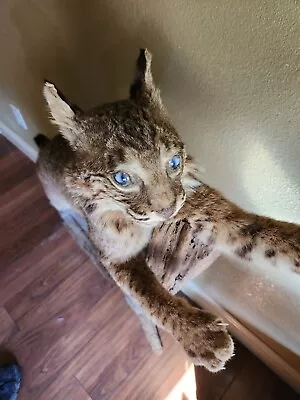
x,y
62,113
143,87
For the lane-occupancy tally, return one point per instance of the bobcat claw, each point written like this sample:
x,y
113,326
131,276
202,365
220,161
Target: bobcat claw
x,y
223,324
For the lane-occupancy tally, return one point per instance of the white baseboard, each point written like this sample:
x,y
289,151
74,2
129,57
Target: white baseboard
x,y
31,151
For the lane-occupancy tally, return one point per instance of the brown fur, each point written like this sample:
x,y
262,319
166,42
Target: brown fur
x,y
242,234
136,136
211,224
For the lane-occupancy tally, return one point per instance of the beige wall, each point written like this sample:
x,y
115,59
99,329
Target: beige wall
x,y
229,73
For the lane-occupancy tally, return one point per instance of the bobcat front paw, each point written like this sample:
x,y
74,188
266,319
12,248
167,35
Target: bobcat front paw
x,y
205,339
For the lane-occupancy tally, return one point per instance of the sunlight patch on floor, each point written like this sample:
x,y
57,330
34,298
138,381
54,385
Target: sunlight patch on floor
x,y
185,388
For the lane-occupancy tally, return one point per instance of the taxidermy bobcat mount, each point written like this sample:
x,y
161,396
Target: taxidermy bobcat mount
x,y
124,168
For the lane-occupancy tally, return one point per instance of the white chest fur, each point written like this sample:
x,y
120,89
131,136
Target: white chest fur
x,y
117,236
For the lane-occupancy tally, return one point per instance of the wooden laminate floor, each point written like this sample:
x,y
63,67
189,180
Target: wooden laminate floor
x,y
72,332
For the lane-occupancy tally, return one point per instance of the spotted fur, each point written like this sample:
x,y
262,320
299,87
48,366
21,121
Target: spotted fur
x,y
220,227
170,214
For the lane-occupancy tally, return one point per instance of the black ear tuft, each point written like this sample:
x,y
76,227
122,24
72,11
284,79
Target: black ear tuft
x,y
41,140
143,81
141,65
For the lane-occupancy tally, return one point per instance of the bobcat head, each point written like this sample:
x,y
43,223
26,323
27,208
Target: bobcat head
x,y
125,153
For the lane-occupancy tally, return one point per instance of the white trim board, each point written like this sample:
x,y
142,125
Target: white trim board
x,y
30,150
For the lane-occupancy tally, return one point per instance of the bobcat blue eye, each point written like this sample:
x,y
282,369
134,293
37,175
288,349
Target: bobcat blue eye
x,y
175,161
121,178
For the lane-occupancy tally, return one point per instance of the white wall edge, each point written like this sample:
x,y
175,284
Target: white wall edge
x,y
19,142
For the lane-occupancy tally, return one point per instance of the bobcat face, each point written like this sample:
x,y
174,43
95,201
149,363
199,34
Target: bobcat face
x,y
127,155
134,161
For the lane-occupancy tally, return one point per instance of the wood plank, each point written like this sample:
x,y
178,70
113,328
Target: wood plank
x,y
112,336
14,168
248,383
71,390
67,390
62,265
44,351
23,192
27,221
174,356
212,386
85,279
126,357
156,375
278,390
87,339
6,147
267,391
15,276
46,224
8,327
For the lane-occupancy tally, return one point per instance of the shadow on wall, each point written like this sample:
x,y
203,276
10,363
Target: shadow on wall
x,y
88,49
85,49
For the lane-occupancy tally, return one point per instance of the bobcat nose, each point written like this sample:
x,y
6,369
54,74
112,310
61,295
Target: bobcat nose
x,y
167,212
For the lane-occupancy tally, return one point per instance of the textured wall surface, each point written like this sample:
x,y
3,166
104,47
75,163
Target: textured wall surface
x,y
229,73
266,299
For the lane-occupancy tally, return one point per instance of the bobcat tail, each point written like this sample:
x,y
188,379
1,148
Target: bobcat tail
x,y
41,140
